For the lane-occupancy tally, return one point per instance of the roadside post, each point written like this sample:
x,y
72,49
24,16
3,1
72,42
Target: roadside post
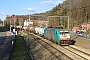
x,y
89,32
10,28
15,33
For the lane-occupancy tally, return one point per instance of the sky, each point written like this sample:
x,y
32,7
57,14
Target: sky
x,y
25,7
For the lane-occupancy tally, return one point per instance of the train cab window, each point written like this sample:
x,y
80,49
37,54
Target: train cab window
x,y
56,32
66,32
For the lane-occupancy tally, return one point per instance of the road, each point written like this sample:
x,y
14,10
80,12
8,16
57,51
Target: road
x,y
2,35
4,42
74,34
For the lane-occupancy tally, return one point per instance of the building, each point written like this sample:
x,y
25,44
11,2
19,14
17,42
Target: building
x,y
84,27
18,20
76,29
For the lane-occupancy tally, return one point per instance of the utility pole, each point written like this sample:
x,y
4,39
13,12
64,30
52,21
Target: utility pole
x,y
14,20
86,18
89,32
3,23
10,25
29,25
87,23
20,24
68,23
6,23
28,29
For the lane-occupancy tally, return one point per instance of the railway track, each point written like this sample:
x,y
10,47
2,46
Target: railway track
x,y
57,53
78,54
62,52
84,54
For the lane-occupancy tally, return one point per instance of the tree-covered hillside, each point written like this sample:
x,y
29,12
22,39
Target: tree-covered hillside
x,y
77,10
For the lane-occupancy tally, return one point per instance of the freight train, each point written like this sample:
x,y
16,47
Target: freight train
x,y
60,36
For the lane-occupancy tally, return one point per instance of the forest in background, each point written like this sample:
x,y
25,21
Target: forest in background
x,y
77,10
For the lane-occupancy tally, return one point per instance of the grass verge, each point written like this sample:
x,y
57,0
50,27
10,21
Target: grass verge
x,y
20,51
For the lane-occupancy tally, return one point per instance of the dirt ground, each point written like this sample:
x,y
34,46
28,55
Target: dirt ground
x,y
82,42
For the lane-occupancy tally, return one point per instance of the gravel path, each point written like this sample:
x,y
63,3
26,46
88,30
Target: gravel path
x,y
82,42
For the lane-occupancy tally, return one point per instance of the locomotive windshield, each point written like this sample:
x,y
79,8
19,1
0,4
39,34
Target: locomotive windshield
x,y
64,32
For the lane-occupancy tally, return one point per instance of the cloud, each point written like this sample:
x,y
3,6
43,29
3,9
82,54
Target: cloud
x,y
2,13
52,2
5,13
30,9
33,10
39,8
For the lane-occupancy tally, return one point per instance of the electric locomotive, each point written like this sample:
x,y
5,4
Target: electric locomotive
x,y
60,36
